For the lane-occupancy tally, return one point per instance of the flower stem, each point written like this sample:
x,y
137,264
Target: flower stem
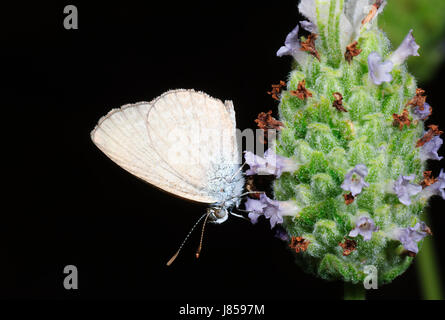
x,y
428,270
354,291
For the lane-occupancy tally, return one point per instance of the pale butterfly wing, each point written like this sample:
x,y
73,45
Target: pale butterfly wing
x,y
138,138
195,134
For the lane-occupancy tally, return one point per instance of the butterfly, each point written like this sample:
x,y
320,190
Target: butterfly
x,y
183,142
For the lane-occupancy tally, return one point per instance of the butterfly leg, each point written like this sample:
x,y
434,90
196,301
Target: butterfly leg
x,y
250,192
238,215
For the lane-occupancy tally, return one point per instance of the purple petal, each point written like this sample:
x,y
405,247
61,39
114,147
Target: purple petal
x,y
275,162
364,226
409,237
355,179
256,208
272,210
404,189
284,51
254,217
291,44
361,169
422,113
437,188
379,72
441,182
281,234
275,219
309,26
271,164
292,40
429,150
409,47
354,233
255,163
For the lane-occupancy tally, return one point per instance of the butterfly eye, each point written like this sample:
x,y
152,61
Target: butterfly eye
x,y
218,212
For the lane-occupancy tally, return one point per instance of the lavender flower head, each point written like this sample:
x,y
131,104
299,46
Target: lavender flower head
x,y
364,226
355,179
271,209
409,47
404,189
429,150
409,237
421,113
291,44
271,164
379,71
437,188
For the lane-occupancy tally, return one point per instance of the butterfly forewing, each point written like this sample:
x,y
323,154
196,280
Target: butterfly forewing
x,y
195,134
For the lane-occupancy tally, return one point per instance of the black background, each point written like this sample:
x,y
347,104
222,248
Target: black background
x,y
66,203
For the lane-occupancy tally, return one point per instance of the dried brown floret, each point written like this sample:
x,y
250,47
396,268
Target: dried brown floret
x,y
276,90
309,45
418,100
250,186
373,12
427,230
352,51
402,119
348,246
434,131
427,179
408,253
301,92
266,122
338,102
299,244
349,198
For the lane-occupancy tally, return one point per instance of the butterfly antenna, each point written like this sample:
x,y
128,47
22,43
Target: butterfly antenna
x,y
242,210
245,194
185,240
198,252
